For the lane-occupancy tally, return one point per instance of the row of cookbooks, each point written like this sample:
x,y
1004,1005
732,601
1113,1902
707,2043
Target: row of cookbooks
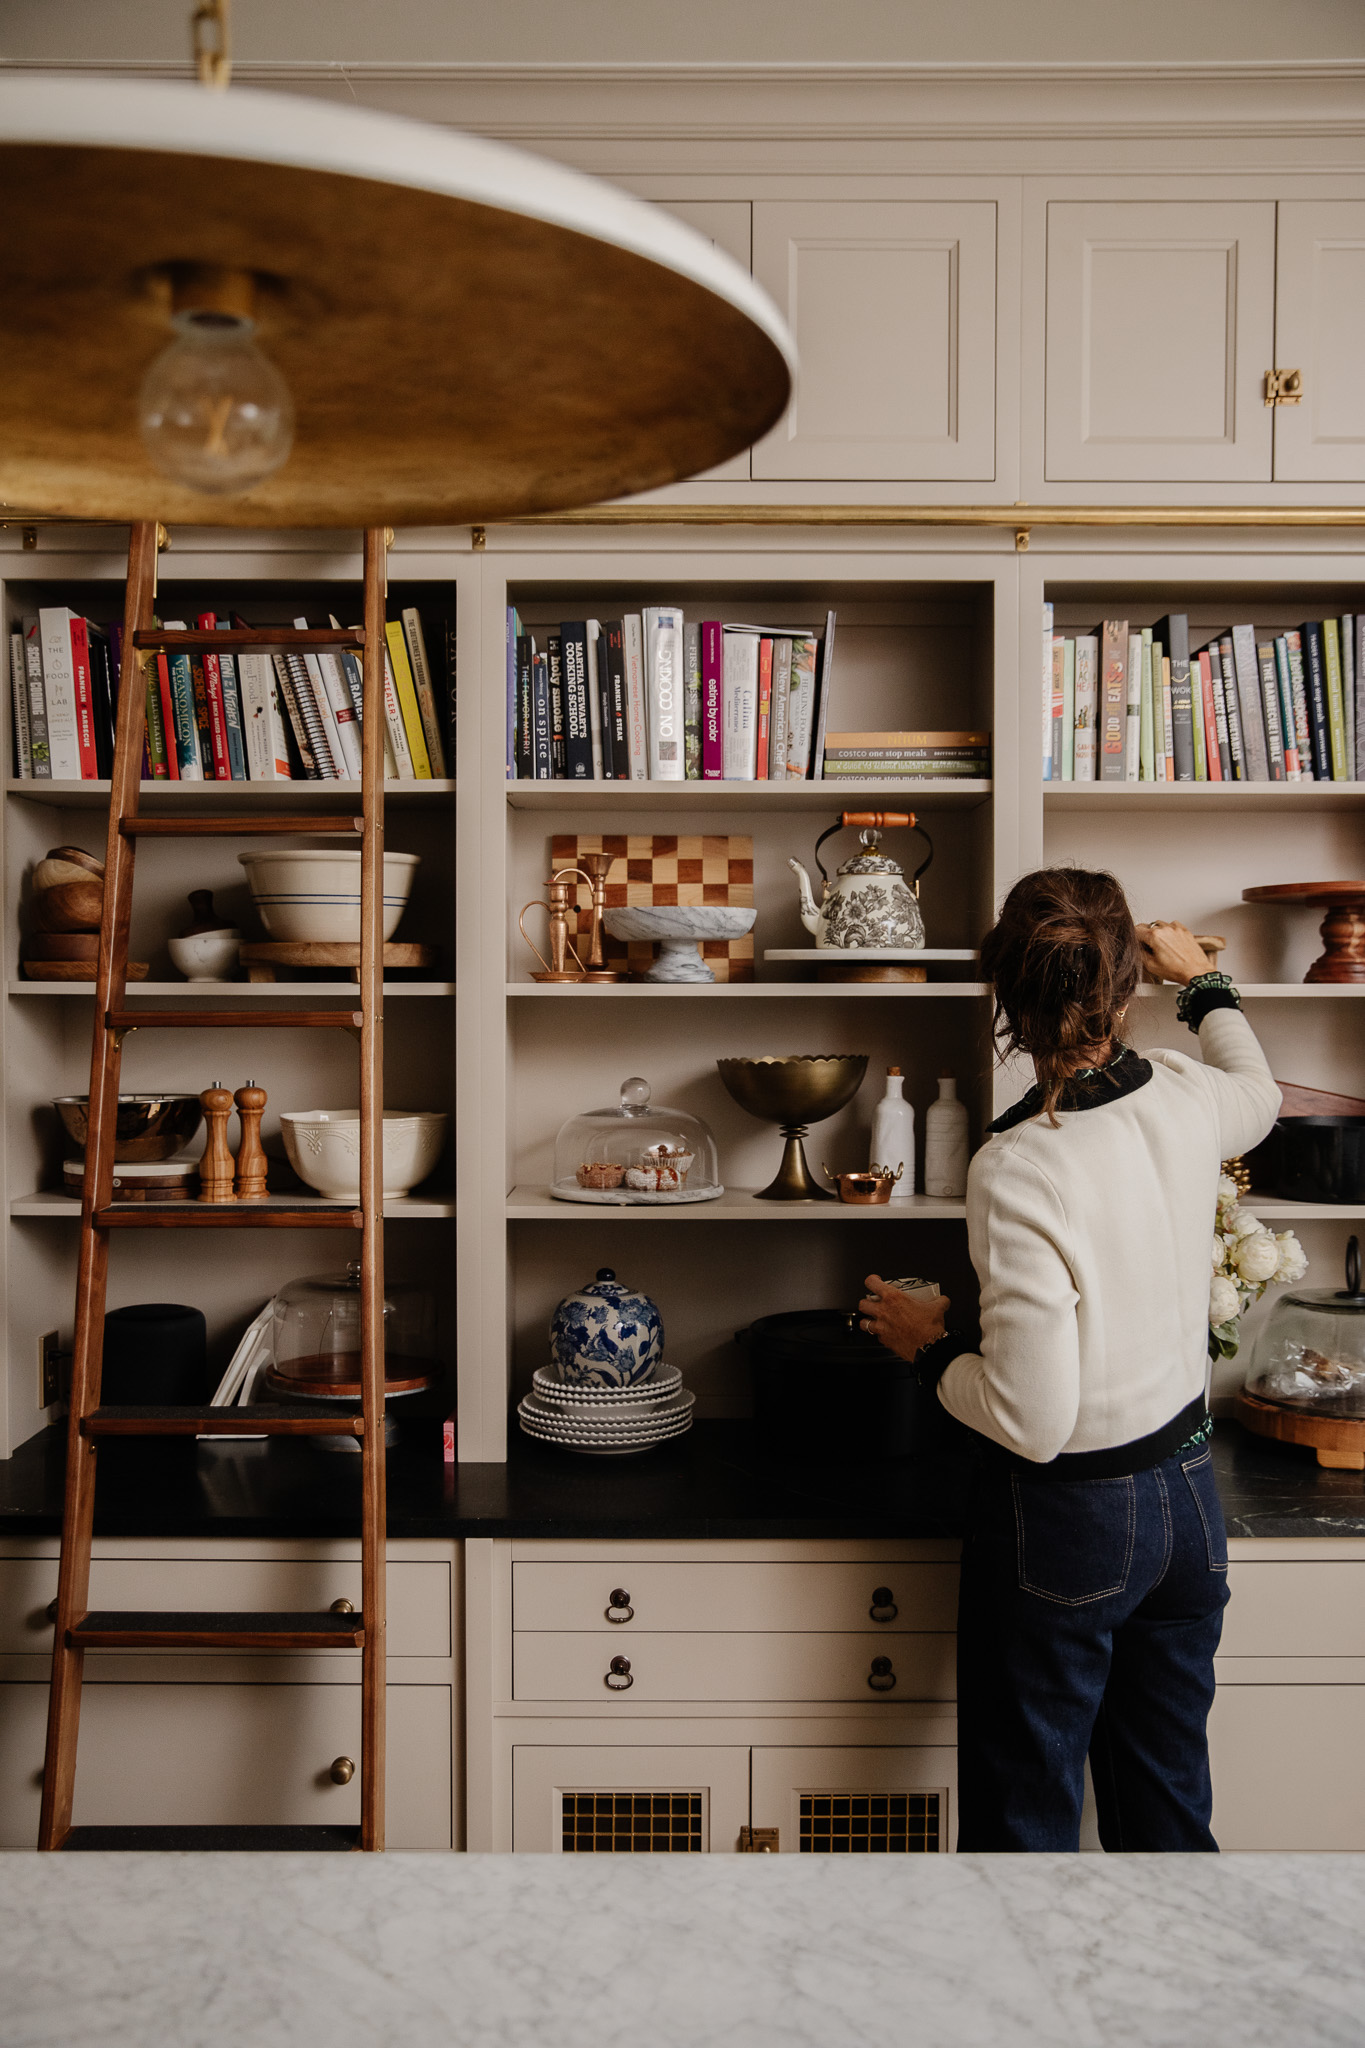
x,y
229,716
1128,704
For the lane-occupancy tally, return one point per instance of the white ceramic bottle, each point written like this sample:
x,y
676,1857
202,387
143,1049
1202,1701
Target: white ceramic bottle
x,y
893,1135
945,1143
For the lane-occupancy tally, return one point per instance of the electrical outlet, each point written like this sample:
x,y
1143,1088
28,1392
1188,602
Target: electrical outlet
x,y
51,1359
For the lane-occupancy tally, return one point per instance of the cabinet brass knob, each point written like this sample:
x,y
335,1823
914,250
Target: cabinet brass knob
x,y
342,1771
51,1612
883,1606
618,1607
618,1678
341,1607
881,1677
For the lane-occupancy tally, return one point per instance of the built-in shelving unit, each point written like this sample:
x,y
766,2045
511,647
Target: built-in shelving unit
x,y
700,798
736,1205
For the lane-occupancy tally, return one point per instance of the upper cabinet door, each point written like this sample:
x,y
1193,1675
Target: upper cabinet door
x,y
1159,335
893,307
1320,332
727,224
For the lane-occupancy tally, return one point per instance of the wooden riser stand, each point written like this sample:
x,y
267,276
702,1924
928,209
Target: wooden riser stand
x,y
76,1627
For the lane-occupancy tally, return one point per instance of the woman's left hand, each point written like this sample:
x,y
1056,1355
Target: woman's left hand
x,y
904,1322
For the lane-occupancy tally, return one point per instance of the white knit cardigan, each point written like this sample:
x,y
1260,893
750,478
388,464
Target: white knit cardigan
x,y
1092,1241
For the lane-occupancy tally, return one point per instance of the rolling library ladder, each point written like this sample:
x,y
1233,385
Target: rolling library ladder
x,y
77,1629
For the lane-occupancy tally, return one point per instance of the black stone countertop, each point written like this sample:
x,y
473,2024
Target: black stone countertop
x,y
716,1482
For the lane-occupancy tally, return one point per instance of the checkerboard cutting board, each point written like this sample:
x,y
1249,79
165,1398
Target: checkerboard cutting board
x,y
665,868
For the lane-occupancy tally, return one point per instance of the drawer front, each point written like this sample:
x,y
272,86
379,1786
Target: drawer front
x,y
746,1598
418,1594
547,1666
177,1755
1295,1610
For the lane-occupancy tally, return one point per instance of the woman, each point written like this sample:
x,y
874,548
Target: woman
x,y
1094,1567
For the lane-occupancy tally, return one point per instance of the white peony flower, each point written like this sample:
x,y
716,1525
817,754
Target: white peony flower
x,y
1292,1262
1227,1191
1224,1301
1257,1256
1218,1249
1242,1223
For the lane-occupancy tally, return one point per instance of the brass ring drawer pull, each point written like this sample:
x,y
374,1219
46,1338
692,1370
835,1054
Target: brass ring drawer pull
x,y
618,1678
618,1608
883,1606
881,1677
342,1770
51,1612
341,1607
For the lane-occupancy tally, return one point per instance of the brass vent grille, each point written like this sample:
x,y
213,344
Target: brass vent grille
x,y
631,1823
869,1823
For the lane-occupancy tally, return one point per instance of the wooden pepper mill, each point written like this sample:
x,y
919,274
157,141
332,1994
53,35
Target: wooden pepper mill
x,y
215,1168
251,1167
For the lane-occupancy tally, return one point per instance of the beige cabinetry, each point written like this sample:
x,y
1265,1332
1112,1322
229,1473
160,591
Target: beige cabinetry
x,y
637,1798
1320,332
727,224
893,305
852,1800
219,1738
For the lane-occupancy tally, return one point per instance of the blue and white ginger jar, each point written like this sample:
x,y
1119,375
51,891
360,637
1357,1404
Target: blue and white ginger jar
x,y
605,1336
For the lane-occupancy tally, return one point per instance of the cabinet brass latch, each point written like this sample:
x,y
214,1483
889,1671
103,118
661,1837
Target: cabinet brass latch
x,y
758,1842
1283,387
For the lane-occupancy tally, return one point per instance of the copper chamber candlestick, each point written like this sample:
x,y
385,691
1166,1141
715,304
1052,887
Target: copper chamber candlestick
x,y
595,867
560,903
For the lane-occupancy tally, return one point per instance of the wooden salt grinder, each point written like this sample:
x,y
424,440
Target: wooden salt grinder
x,y
251,1168
215,1168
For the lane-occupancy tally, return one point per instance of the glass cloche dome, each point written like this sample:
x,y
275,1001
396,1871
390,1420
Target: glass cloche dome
x,y
316,1337
1310,1355
636,1153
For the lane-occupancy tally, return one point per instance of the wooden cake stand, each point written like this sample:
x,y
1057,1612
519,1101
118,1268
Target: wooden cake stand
x,y
1339,1440
261,961
1343,928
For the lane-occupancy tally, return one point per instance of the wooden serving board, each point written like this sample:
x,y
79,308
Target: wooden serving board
x,y
261,961
1339,1440
654,869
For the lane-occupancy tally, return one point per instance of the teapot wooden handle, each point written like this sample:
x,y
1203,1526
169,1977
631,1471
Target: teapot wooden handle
x,y
880,819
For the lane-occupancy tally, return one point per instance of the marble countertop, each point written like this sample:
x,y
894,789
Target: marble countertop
x,y
304,1951
718,1481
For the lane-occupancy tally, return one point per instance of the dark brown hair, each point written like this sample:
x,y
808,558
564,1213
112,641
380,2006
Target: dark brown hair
x,y
1063,959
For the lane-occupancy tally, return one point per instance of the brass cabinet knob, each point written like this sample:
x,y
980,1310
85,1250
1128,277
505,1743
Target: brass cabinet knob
x,y
883,1606
618,1607
341,1607
342,1771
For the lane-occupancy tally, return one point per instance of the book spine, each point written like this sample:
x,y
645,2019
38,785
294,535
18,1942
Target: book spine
x,y
740,669
712,702
1360,697
353,670
1168,716
614,653
1132,752
203,730
395,724
577,728
979,755
524,755
39,747
1270,709
158,761
1220,715
59,689
1113,697
407,700
307,693
1298,690
1284,692
541,763
593,678
303,739
779,728
1201,758
513,635
316,687
266,760
1055,769
824,687
664,631
161,670
1315,686
598,656
213,701
425,688
692,703
1236,744
100,658
1249,704
18,679
1177,643
800,709
1087,681
1146,713
337,694
184,724
78,636
1336,707
765,709
853,764
554,683
451,639
232,716
637,697
1068,711
1348,690
1052,767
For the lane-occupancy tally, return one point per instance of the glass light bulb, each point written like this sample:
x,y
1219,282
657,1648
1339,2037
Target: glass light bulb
x,y
215,413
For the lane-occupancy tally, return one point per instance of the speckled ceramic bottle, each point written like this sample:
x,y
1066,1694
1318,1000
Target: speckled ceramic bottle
x,y
945,1143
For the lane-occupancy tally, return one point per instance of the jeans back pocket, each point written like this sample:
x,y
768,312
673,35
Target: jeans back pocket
x,y
1075,1537
1203,1486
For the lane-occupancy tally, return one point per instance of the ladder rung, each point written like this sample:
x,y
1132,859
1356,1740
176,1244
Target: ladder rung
x,y
213,1838
198,1631
233,1020
250,639
267,1215
234,828
265,1418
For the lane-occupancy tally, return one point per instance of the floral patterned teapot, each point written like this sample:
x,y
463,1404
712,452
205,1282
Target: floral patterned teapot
x,y
869,903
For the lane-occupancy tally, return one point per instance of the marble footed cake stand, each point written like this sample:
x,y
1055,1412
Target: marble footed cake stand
x,y
677,929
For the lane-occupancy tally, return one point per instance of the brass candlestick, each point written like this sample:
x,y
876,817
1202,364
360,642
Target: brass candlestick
x,y
595,867
561,891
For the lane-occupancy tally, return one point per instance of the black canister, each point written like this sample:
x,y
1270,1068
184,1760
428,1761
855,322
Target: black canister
x,y
824,1387
1318,1158
156,1356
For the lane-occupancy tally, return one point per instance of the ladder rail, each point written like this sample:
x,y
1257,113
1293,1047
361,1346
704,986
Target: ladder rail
x,y
78,1511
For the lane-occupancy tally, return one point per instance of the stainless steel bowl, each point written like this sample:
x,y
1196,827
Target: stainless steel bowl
x,y
148,1126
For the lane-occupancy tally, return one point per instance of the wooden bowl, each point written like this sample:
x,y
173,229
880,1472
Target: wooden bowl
x,y
63,946
78,857
78,970
70,907
56,869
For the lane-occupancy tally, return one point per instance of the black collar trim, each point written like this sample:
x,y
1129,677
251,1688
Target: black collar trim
x,y
1124,1075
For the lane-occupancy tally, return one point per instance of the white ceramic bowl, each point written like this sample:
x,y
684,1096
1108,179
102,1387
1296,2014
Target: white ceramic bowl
x,y
313,895
207,956
324,1148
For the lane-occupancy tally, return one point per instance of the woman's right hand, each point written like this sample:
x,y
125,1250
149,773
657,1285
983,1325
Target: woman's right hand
x,y
1171,952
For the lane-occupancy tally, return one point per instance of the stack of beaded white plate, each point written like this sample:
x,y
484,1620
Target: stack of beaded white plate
x,y
607,1422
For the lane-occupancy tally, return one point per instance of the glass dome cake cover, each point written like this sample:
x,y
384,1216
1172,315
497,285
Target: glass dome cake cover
x,y
635,1153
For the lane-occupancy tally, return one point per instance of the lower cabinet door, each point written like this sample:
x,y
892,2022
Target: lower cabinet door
x,y
653,1668
842,1802
1286,1771
630,1801
172,1754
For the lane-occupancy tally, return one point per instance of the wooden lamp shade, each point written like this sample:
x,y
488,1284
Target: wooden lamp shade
x,y
468,332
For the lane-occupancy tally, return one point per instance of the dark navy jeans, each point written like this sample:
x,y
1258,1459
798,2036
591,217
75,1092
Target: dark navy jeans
x,y
1088,1618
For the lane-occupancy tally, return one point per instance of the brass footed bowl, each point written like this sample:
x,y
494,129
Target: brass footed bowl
x,y
795,1090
